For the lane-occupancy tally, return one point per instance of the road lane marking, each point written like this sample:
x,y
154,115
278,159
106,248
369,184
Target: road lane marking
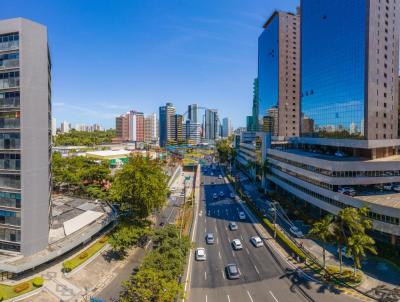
x,y
233,254
226,228
229,299
273,296
217,240
219,255
205,230
256,269
205,275
206,298
251,299
216,231
223,275
241,236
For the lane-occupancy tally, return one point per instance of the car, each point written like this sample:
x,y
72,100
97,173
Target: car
x,y
347,191
296,232
396,188
232,271
256,241
200,254
236,244
388,187
221,193
210,238
233,226
215,196
232,195
242,216
220,176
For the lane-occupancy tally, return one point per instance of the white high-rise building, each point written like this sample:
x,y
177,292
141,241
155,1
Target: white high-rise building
x,y
53,126
25,185
211,124
226,127
64,127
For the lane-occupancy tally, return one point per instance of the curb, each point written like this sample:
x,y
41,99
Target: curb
x,y
26,295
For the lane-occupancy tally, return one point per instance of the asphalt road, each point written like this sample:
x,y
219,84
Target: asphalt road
x,y
264,274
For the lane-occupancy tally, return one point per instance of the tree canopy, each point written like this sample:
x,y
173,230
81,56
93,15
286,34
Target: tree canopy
x,y
84,138
140,187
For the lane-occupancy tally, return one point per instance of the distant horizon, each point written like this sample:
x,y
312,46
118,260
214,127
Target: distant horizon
x,y
112,57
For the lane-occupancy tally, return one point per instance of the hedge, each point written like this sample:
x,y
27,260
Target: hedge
x,y
38,281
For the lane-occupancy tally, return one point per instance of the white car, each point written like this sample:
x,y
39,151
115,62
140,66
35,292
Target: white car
x,y
232,195
347,191
256,241
396,188
220,176
215,196
200,254
236,244
210,238
388,187
242,216
296,232
339,154
233,226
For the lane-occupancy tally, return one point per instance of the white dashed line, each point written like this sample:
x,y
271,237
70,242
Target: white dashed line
x,y
205,275
233,254
206,298
217,240
247,251
255,267
219,255
205,230
251,299
229,300
241,236
223,274
273,296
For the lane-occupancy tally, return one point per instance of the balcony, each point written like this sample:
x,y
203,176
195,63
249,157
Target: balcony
x,y
9,103
9,45
8,64
9,83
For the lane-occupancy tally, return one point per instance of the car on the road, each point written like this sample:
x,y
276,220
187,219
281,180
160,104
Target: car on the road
x,y
210,238
296,232
232,271
236,244
233,226
242,216
200,254
215,196
256,241
396,188
220,176
232,195
221,193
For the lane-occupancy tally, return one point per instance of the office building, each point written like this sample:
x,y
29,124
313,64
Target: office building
x,y
347,155
279,71
273,114
211,124
122,127
256,107
150,128
193,132
53,126
226,127
178,135
136,126
165,129
249,123
25,139
65,127
193,113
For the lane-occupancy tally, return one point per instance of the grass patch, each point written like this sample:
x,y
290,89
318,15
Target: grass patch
x,y
12,291
85,255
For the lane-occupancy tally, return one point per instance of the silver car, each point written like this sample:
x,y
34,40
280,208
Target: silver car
x,y
200,254
210,238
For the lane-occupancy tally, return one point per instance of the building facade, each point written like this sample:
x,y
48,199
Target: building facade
x,y
136,126
65,127
122,127
193,132
150,128
279,71
256,125
193,113
347,155
178,135
25,139
165,129
226,127
211,124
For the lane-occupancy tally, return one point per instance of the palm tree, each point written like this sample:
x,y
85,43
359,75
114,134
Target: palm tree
x,y
357,245
323,231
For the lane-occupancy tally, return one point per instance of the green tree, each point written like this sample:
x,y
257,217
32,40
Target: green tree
x,y
323,231
357,246
140,187
127,234
84,138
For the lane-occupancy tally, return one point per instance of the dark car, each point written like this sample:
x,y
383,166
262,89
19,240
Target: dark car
x,y
232,271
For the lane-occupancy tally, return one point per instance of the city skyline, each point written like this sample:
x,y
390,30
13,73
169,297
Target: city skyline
x,y
198,36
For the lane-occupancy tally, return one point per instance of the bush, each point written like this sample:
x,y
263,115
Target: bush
x,y
37,281
68,266
103,239
21,287
83,255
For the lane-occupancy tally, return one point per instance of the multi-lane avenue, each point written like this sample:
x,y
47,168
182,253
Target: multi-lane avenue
x,y
264,274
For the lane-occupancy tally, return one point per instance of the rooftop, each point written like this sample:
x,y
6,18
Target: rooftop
x,y
108,153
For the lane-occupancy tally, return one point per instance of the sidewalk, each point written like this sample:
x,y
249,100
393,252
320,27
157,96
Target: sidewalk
x,y
370,283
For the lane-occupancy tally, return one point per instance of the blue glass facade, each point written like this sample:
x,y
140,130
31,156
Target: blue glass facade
x,y
268,66
333,44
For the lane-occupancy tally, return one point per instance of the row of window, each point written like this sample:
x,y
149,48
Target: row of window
x,y
10,161
9,75
336,203
9,56
10,247
11,200
10,141
331,173
9,37
10,181
10,99
10,235
10,217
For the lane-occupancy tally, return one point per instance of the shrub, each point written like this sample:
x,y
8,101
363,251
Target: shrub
x,y
1,297
103,239
68,266
37,281
83,255
21,287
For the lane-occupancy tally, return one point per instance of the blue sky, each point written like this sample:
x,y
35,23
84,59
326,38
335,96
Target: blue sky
x,y
110,56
